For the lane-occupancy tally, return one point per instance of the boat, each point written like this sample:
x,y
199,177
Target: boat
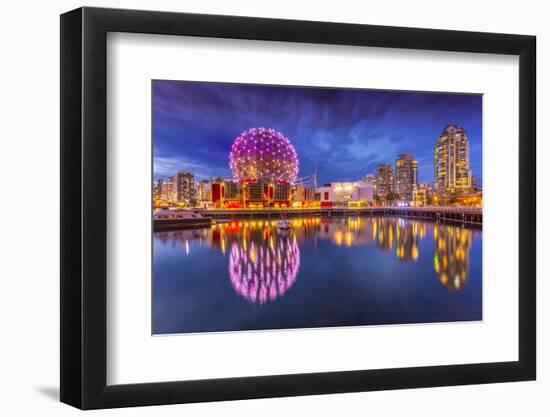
x,y
284,224
166,219
220,221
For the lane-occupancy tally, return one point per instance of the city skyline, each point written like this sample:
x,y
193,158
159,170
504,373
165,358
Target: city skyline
x,y
294,207
345,134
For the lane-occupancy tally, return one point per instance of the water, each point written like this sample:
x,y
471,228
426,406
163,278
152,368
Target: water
x,y
249,275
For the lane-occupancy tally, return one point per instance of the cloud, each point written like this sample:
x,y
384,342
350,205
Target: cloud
x,y
345,133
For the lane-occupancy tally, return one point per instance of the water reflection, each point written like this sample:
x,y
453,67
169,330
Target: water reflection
x,y
264,271
263,262
452,254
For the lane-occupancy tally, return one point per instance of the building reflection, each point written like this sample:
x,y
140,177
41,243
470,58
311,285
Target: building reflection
x,y
452,255
184,238
390,234
263,261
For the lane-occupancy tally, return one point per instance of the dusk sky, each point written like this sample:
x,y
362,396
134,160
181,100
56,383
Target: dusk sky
x,y
345,132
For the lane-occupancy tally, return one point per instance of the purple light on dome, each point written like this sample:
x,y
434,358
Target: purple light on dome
x,y
263,153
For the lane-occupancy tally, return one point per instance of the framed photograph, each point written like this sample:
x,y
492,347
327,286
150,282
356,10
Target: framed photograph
x,y
257,208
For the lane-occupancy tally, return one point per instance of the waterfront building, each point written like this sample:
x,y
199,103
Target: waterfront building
x,y
185,186
474,199
384,179
365,192
346,194
422,195
218,193
406,176
226,194
452,174
425,186
232,190
257,194
304,196
204,193
419,198
232,194
281,194
369,178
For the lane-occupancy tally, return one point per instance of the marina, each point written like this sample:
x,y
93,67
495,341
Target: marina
x,y
472,216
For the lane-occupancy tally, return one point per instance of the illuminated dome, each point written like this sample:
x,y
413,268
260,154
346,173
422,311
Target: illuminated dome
x,y
262,274
262,153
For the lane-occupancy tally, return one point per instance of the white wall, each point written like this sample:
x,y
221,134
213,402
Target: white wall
x,y
29,102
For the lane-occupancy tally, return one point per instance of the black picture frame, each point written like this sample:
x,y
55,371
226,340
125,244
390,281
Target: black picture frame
x,y
84,207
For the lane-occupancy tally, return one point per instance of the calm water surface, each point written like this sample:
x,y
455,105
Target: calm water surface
x,y
248,275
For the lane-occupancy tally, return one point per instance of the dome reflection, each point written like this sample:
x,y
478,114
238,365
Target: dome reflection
x,y
262,272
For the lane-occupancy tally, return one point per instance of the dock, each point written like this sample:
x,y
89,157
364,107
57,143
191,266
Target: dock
x,y
463,215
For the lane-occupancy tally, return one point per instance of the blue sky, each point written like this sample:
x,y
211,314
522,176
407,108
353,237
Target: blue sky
x,y
346,132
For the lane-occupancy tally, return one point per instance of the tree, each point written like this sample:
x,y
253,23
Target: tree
x,y
429,200
453,200
391,196
377,199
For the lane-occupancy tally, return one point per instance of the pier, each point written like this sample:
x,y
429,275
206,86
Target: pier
x,y
463,215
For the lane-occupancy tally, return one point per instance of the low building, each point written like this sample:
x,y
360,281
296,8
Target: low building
x,y
304,196
255,194
204,194
346,194
281,195
419,197
225,194
232,194
423,195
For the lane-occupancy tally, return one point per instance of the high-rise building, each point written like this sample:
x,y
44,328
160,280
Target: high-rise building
x,y
406,176
384,179
452,173
185,186
157,189
168,189
371,179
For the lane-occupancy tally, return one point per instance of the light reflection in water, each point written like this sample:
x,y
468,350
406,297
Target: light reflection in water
x,y
263,262
452,255
264,272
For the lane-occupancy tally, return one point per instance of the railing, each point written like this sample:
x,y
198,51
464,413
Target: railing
x,y
457,214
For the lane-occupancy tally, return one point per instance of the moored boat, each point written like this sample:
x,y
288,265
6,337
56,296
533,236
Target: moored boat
x,y
284,224
220,221
166,219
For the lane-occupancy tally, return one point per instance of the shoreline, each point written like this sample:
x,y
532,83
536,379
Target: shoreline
x,y
470,218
